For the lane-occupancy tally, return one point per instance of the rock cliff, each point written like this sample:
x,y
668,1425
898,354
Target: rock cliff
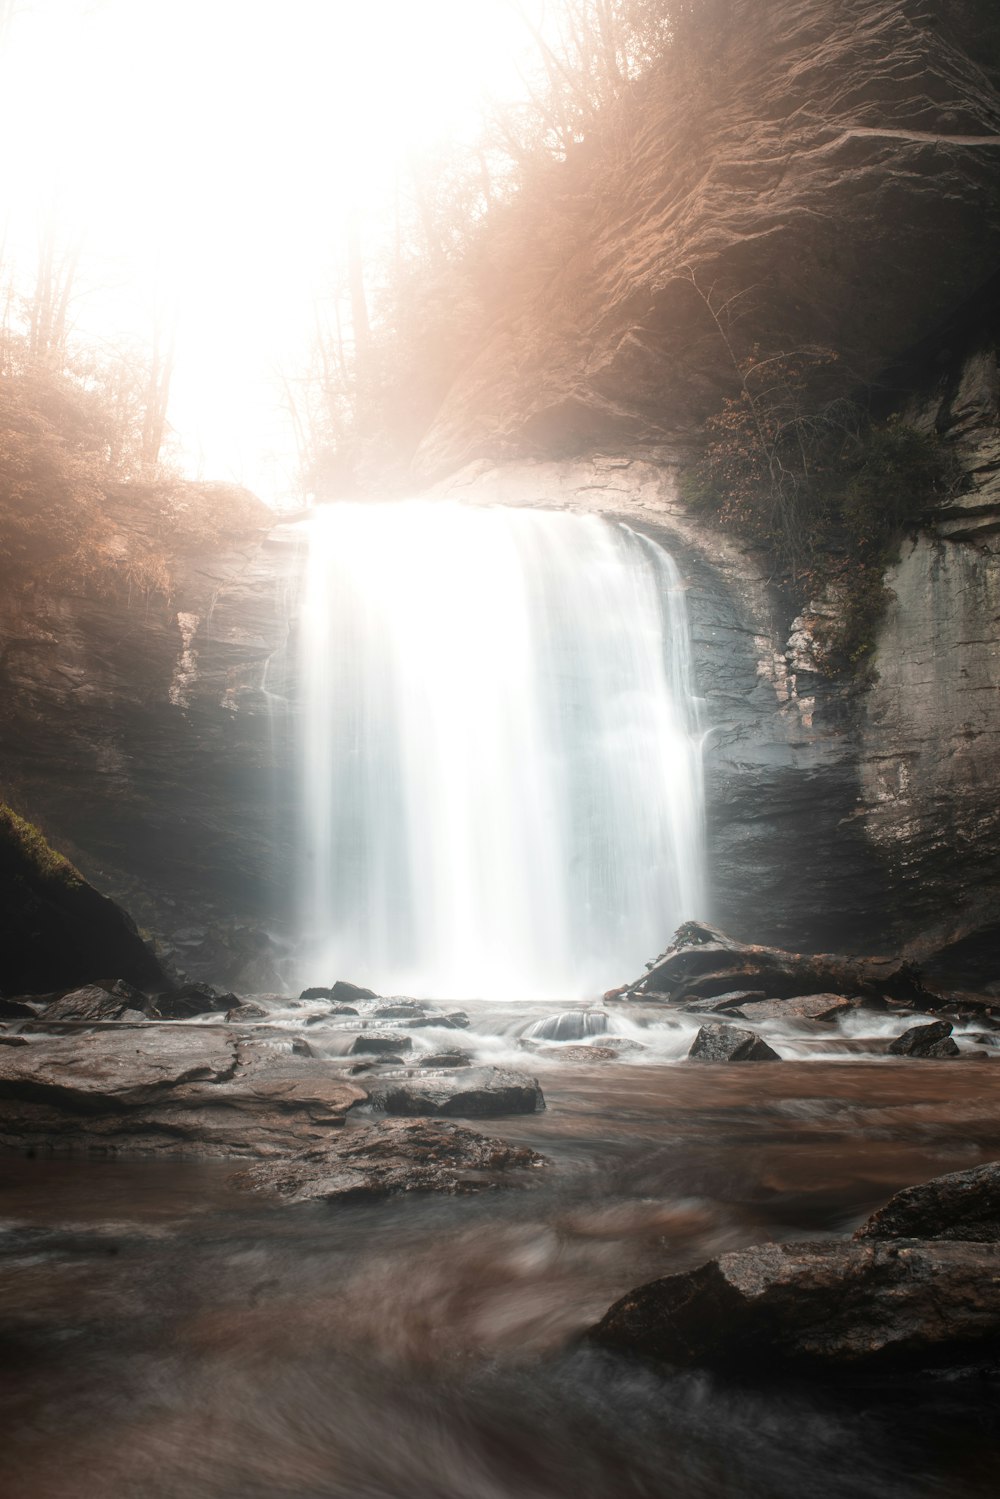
x,y
830,164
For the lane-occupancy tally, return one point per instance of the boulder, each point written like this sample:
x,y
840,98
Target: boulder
x,y
799,1007
377,1043
703,963
343,993
728,1043
318,993
246,1012
477,1093
58,931
403,1009
194,999
455,1058
116,1001
395,1156
964,1205
932,1040
15,1009
825,1305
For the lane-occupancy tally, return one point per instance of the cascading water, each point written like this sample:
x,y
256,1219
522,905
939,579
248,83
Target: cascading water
x,y
501,761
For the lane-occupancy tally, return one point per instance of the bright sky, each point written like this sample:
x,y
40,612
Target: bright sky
x,y
210,150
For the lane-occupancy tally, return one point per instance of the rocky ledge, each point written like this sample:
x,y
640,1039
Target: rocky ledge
x,y
917,1287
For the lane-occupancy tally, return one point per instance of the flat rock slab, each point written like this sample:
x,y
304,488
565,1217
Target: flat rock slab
x,y
728,1043
395,1156
964,1205
829,1305
798,1007
154,1088
470,1093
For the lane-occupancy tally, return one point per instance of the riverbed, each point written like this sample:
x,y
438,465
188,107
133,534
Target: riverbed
x,y
166,1334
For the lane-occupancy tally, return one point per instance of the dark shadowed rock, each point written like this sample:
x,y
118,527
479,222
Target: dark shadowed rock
x,y
477,1093
728,1043
15,1009
57,930
380,1043
318,993
932,1040
343,993
156,1089
376,1064
703,963
403,1009
117,1001
194,999
456,1058
964,1205
831,1305
395,1156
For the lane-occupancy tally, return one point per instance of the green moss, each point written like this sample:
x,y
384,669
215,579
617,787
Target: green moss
x,y
24,850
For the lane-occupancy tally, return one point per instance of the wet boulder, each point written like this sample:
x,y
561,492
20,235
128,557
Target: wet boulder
x,y
798,1007
15,1009
473,1093
932,1040
455,1020
393,1156
379,1043
116,1000
194,999
828,1305
728,1043
343,993
964,1205
703,963
246,1011
454,1058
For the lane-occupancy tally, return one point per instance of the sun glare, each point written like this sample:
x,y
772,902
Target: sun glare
x,y
207,154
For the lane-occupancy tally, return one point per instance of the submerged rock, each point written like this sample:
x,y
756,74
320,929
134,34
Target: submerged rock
x,y
932,1040
478,1093
395,1156
727,1043
832,1305
571,1025
964,1205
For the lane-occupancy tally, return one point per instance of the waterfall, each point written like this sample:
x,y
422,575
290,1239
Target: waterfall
x,y
501,789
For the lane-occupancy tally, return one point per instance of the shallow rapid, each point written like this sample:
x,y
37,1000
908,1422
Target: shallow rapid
x,y
500,751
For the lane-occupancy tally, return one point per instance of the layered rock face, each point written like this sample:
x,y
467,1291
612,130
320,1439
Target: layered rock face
x,y
830,163
148,737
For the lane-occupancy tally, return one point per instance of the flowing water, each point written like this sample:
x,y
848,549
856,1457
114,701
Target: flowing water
x,y
163,1336
501,762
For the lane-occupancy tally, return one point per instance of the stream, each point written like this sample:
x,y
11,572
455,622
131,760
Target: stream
x,y
165,1335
